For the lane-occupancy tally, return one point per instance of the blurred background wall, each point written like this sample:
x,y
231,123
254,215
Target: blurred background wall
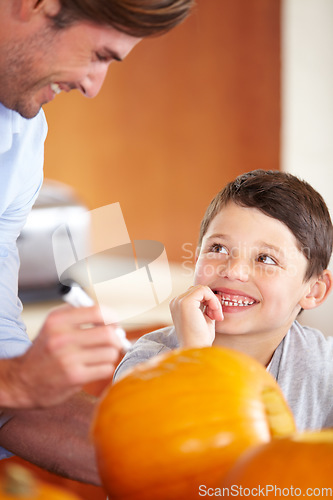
x,y
307,107
181,116
242,84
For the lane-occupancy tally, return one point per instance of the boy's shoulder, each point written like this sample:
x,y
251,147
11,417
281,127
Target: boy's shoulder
x,y
302,365
312,340
164,337
148,346
302,347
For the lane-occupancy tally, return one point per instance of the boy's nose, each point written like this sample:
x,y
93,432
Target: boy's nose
x,y
92,83
235,269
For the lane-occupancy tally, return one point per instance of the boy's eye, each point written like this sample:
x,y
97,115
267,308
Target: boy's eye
x,y
266,259
218,248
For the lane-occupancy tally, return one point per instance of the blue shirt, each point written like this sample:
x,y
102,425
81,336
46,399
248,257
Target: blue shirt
x,y
21,176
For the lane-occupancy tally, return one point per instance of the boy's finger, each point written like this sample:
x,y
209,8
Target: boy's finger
x,y
215,312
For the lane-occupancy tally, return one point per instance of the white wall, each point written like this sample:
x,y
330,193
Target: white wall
x,y
307,107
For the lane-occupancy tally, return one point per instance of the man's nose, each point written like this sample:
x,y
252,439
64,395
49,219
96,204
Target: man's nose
x,y
235,269
92,83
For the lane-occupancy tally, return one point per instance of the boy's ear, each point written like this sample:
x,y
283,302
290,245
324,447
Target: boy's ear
x,y
28,8
319,291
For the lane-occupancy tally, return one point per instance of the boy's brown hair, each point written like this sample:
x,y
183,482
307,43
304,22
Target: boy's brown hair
x,y
290,200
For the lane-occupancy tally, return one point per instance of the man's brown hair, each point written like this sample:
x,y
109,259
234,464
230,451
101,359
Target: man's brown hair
x,y
138,18
290,200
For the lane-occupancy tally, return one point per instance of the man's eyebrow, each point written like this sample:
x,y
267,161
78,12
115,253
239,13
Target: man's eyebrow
x,y
112,54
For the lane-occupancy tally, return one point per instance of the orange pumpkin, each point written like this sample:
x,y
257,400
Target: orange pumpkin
x,y
182,419
18,483
301,465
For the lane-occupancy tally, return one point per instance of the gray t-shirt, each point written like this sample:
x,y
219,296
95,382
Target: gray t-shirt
x,y
302,365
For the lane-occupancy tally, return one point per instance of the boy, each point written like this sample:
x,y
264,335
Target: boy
x,y
264,246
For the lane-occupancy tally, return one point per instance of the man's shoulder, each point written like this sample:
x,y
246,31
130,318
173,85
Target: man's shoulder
x,y
11,124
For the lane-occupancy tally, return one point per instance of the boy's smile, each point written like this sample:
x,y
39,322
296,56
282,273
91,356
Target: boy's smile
x,y
231,300
253,264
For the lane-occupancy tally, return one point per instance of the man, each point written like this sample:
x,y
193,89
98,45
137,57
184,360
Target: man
x,y
48,46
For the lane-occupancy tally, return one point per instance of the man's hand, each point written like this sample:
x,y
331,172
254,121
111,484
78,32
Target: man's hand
x,y
194,314
73,348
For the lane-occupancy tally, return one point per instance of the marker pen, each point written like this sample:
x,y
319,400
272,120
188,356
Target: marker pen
x,y
77,297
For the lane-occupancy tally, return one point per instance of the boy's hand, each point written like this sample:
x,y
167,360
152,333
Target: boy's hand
x,y
194,314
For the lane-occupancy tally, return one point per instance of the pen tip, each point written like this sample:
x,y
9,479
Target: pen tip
x,y
64,289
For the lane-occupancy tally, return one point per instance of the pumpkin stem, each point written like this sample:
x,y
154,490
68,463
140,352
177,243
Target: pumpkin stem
x,y
280,419
19,482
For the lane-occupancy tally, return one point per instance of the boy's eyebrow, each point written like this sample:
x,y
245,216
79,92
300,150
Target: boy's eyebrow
x,y
270,246
216,235
259,244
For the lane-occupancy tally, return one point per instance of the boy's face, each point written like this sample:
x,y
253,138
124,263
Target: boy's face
x,y
254,265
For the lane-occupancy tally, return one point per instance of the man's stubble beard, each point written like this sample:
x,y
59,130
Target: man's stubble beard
x,y
20,80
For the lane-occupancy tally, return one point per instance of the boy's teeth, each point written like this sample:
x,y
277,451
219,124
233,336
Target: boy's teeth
x,y
235,302
238,303
55,88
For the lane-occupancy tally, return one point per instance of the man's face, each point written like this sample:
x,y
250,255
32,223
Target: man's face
x,y
253,264
45,61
